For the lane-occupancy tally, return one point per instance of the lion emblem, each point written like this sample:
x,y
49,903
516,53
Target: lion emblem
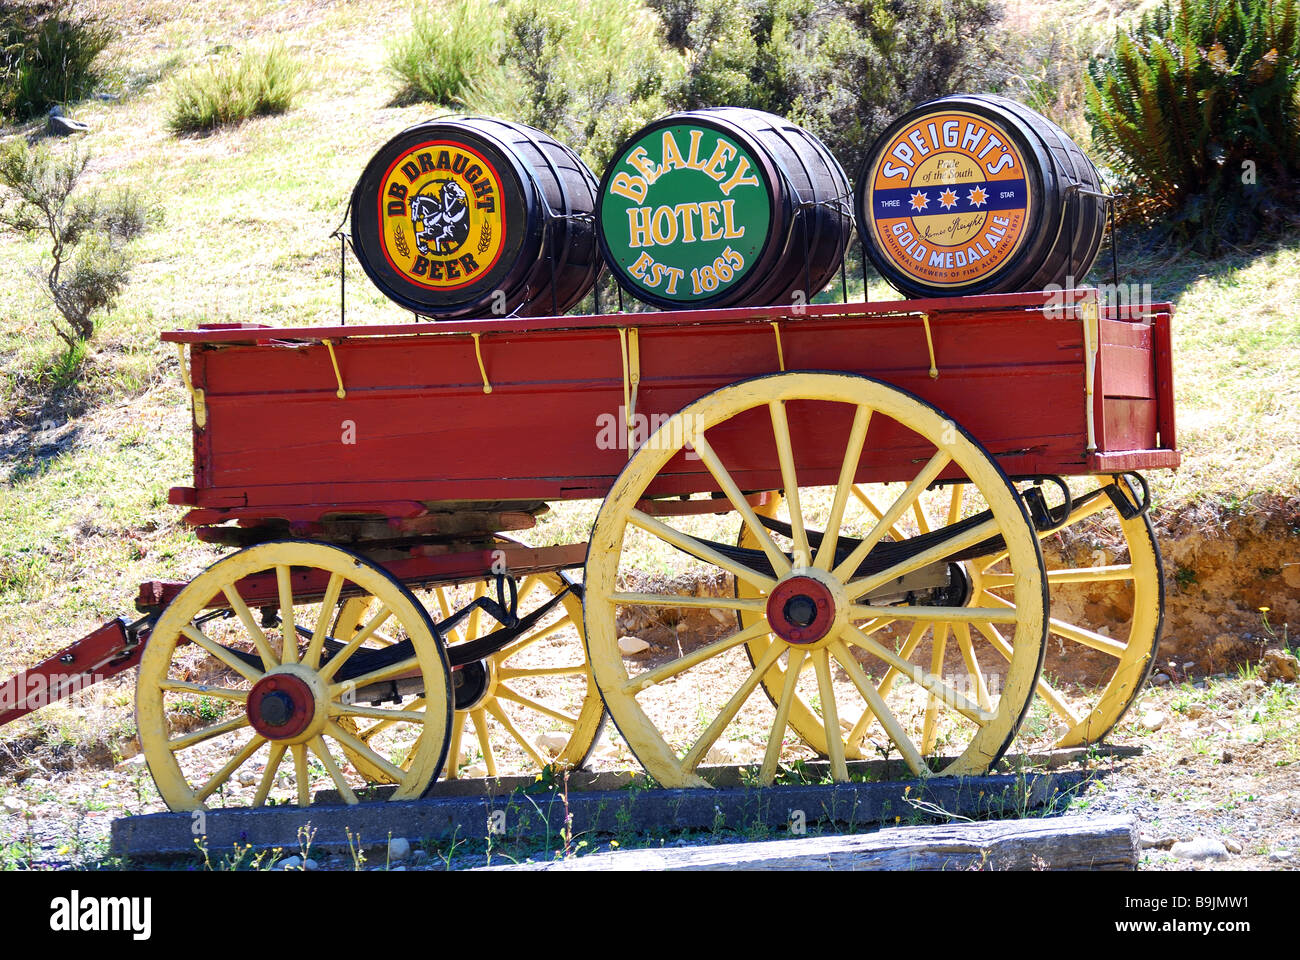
x,y
440,217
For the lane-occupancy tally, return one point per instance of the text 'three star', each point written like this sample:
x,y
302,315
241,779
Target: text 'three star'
x,y
978,196
948,198
919,201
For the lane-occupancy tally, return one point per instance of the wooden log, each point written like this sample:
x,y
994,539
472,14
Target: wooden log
x,y
1051,843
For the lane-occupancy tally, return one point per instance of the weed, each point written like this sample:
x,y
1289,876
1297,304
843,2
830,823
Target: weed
x,y
234,87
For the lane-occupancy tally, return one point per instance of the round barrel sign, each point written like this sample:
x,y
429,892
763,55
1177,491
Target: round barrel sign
x,y
477,217
947,200
442,220
685,212
970,194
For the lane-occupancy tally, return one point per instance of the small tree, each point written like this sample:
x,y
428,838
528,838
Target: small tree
x,y
89,264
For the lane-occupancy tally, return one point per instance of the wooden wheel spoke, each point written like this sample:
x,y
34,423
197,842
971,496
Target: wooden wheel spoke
x,y
197,636
908,498
937,651
767,773
288,626
1123,571
876,703
509,693
321,749
1070,631
676,600
962,632
949,614
700,551
955,503
566,670
453,747
940,551
1043,688
253,628
301,774
830,716
499,714
861,496
391,672
312,657
887,682
203,690
233,764
484,741
512,648
476,615
852,455
789,479
780,562
356,745
185,741
268,775
405,714
374,623
926,681
728,713
673,667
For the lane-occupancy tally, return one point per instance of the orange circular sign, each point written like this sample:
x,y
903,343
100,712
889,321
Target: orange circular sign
x,y
947,199
441,220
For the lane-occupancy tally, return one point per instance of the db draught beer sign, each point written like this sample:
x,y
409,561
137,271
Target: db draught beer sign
x,y
684,213
442,222
947,200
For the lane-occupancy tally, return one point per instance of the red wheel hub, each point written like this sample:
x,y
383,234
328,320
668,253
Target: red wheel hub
x,y
280,706
800,610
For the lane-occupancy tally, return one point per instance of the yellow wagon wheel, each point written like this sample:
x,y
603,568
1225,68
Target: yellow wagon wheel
x,y
532,704
1103,563
231,704
1118,569
816,601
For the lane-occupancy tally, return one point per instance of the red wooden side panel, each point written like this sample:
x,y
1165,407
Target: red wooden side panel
x,y
1133,396
416,425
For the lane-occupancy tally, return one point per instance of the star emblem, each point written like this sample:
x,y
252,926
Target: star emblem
x,y
948,198
978,196
919,200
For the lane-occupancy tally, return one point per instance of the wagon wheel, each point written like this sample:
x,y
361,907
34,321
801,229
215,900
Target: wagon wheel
x,y
1137,587
268,712
1124,576
532,704
810,599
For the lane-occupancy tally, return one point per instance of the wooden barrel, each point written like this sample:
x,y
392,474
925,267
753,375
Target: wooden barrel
x,y
978,194
724,207
469,217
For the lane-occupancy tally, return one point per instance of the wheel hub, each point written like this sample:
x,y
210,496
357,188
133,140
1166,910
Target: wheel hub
x,y
806,607
472,683
282,706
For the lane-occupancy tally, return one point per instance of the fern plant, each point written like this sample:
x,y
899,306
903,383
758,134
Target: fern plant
x,y
1197,110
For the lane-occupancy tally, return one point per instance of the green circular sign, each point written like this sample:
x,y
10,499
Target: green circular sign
x,y
685,213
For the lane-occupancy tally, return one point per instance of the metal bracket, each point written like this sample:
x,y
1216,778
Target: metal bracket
x,y
929,344
629,342
478,353
340,392
780,354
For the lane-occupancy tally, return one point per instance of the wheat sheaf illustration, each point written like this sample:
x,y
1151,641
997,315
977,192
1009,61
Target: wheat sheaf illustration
x,y
399,241
485,237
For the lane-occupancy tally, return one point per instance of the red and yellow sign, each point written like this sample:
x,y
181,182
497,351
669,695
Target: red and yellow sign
x,y
947,199
441,219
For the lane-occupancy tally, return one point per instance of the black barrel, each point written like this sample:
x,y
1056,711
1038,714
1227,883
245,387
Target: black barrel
x,y
468,217
724,207
975,193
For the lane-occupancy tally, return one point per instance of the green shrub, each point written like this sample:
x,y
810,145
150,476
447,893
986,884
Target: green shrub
x,y
234,87
89,263
589,72
48,53
842,68
443,52
1198,111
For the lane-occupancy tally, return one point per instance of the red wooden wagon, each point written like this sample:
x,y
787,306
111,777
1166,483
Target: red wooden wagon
x,y
858,492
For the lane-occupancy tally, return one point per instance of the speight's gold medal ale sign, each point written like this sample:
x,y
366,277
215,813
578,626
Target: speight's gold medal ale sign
x,y
978,194
700,209
474,217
